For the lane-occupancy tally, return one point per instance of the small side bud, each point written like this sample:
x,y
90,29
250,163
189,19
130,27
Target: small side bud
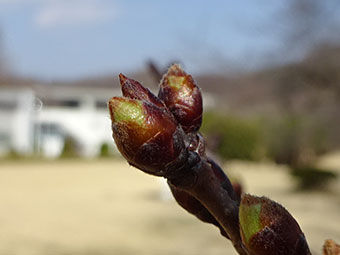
x,y
182,96
267,228
238,189
193,206
146,135
331,248
223,179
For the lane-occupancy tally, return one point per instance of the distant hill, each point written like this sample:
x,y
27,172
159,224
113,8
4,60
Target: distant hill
x,y
312,84
309,85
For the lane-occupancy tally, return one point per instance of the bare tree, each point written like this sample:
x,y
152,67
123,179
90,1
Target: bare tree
x,y
4,64
1,54
306,24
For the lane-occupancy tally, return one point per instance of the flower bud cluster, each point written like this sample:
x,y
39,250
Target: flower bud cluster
x,y
149,130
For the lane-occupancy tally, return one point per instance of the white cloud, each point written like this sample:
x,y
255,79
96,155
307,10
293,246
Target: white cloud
x,y
72,12
11,1
16,2
53,13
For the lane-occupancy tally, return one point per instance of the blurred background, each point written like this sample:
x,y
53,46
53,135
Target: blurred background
x,y
270,77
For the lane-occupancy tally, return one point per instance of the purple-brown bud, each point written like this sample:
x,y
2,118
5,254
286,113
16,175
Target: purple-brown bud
x,y
237,189
134,90
182,96
267,228
145,134
223,179
331,248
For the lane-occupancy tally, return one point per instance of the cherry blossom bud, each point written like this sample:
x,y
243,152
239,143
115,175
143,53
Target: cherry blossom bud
x,y
183,98
145,134
267,228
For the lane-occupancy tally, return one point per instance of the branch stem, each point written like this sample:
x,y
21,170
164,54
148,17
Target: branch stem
x,y
207,188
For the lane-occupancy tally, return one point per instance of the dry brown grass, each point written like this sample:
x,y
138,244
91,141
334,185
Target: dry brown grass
x,y
73,207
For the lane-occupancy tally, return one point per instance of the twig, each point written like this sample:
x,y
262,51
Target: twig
x,y
159,135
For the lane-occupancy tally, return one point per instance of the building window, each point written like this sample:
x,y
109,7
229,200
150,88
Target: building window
x,y
70,103
7,105
101,105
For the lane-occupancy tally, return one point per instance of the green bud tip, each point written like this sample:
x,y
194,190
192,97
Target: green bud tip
x,y
127,111
176,81
249,216
176,76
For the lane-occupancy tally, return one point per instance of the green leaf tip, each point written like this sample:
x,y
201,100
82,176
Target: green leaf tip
x,y
249,216
127,111
176,81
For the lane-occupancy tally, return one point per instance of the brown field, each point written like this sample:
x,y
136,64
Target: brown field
x,y
100,207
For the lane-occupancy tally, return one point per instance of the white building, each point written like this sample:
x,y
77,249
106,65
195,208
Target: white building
x,y
39,120
16,121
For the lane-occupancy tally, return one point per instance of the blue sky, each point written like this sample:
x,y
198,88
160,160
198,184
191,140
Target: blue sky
x,y
70,39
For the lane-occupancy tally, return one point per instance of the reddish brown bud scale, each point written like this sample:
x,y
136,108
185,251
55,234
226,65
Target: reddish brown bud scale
x,y
146,135
134,90
181,95
267,228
